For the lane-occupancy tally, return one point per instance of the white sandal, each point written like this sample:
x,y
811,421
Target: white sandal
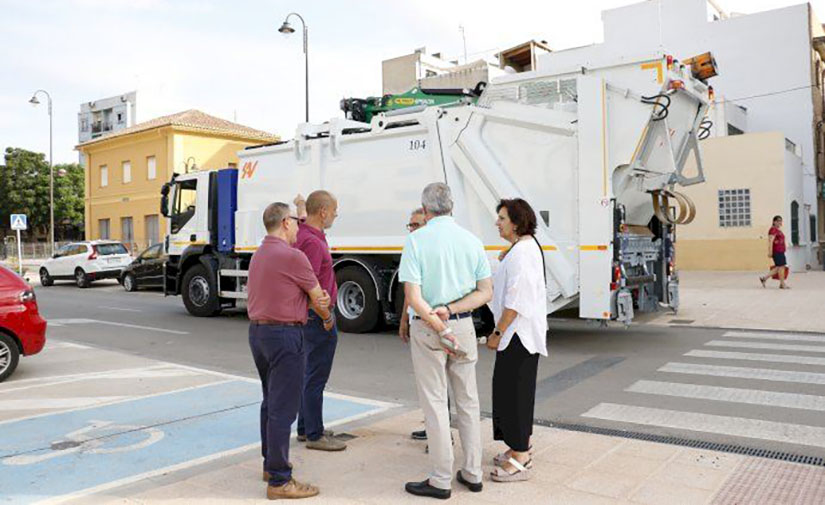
x,y
522,472
501,458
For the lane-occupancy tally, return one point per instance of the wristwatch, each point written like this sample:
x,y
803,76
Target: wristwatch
x,y
497,332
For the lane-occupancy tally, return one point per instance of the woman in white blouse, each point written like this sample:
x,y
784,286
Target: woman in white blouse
x,y
519,306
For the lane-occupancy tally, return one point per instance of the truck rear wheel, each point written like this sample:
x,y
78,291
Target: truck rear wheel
x,y
200,295
357,303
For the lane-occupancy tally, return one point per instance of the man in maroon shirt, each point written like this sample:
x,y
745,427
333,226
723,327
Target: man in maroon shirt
x,y
321,209
280,282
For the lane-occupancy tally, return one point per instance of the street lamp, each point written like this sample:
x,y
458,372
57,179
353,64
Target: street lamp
x,y
287,29
34,101
187,166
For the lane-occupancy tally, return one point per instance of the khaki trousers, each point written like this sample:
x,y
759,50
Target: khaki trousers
x,y
433,368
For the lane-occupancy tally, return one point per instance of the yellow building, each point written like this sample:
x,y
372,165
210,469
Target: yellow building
x,y
749,179
126,169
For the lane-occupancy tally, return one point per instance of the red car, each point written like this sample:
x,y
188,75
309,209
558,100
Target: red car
x,y
22,330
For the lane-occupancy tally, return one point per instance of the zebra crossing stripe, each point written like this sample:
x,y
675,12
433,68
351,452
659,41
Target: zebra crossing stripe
x,y
745,373
775,336
733,395
748,356
766,345
813,436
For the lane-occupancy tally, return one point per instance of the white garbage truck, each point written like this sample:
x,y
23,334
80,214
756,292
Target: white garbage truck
x,y
598,152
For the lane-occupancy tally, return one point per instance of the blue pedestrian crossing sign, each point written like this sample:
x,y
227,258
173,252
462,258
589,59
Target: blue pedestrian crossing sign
x,y
19,222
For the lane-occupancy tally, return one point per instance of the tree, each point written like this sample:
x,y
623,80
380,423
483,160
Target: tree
x,y
24,189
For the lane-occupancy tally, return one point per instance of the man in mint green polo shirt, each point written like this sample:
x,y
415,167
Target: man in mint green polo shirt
x,y
446,276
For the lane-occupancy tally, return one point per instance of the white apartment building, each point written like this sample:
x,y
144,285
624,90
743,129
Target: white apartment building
x,y
770,80
106,115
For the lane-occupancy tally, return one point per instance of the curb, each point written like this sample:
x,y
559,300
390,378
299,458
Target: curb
x,y
696,327
734,328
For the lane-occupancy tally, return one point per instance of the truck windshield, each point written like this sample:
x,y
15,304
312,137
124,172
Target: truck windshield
x,y
184,207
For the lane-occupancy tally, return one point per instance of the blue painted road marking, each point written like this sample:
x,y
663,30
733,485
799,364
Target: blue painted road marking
x,y
69,452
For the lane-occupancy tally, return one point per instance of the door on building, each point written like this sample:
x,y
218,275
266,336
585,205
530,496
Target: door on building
x,y
152,227
127,232
103,229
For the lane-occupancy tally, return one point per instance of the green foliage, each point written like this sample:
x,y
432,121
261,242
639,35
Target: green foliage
x,y
24,189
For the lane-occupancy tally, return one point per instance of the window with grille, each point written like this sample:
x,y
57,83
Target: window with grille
x,y
734,207
127,231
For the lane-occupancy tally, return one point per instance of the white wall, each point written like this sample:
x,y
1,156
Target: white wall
x,y
765,54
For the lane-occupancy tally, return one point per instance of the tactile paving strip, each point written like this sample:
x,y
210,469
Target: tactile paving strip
x,y
770,482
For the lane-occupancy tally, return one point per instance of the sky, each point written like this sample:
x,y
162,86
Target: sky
x,y
227,58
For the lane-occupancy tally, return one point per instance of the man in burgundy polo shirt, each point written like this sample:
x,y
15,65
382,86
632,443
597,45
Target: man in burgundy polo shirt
x,y
281,284
321,209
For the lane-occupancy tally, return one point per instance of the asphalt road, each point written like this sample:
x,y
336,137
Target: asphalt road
x,y
762,390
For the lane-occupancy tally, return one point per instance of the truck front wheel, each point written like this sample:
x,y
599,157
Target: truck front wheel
x,y
357,302
200,295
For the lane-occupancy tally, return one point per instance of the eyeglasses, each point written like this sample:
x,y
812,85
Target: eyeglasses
x,y
414,226
298,220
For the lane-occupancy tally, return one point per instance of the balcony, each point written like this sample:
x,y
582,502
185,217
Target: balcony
x,y
101,127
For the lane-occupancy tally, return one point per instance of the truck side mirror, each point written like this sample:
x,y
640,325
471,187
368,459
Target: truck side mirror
x,y
164,200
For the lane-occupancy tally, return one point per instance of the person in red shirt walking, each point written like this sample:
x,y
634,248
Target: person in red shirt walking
x,y
321,209
776,251
281,284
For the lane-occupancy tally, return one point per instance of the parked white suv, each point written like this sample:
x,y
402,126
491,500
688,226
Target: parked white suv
x,y
85,262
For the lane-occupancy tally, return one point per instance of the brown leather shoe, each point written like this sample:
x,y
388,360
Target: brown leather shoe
x,y
326,443
292,489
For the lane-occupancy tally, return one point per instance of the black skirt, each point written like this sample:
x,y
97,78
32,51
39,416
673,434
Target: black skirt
x,y
514,395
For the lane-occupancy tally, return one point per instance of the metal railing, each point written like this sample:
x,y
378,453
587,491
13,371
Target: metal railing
x,y
43,251
31,250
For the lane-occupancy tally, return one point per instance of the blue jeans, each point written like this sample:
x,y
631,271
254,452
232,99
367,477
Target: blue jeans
x,y
319,348
278,352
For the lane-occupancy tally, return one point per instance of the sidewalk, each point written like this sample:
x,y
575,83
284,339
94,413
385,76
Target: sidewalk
x,y
738,300
185,435
569,468
31,267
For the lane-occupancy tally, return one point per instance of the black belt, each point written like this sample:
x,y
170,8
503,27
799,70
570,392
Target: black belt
x,y
460,315
272,322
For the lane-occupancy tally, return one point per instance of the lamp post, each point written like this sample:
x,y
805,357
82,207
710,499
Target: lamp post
x,y
34,101
464,38
187,166
287,29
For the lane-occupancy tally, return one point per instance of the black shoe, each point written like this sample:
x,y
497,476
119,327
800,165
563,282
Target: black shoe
x,y
425,489
476,488
419,435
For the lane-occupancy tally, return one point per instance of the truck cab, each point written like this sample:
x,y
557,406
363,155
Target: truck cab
x,y
186,206
192,267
